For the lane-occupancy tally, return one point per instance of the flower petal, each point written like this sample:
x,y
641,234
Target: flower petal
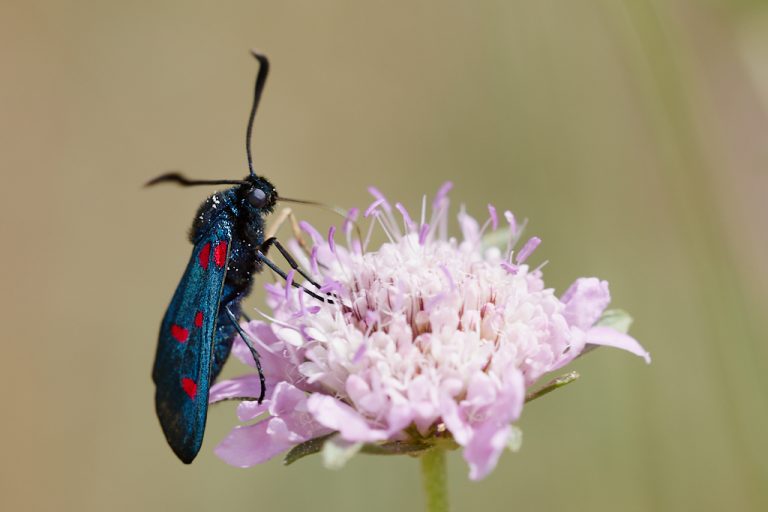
x,y
261,333
245,386
610,337
248,410
248,445
483,451
337,415
585,301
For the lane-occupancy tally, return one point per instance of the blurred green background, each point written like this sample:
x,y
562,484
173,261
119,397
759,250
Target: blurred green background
x,y
633,135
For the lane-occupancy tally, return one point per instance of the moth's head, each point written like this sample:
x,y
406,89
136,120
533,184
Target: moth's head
x,y
259,193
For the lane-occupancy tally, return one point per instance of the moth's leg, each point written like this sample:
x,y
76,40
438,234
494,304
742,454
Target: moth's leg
x,y
286,214
277,270
249,342
269,242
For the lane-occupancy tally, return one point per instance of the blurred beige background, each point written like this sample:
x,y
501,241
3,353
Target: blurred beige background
x,y
632,134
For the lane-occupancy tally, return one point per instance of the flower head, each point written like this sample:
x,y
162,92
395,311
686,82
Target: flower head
x,y
427,338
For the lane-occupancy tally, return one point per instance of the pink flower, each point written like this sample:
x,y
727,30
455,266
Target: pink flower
x,y
429,338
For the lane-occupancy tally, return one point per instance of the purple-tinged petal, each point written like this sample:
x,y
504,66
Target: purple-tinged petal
x,y
610,337
483,451
262,334
290,336
456,423
585,301
286,399
399,417
481,390
248,445
337,415
279,430
245,386
248,410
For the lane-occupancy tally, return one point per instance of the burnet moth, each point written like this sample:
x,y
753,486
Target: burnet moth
x,y
201,321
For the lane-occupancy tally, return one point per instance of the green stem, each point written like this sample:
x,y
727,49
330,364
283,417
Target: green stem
x,y
433,476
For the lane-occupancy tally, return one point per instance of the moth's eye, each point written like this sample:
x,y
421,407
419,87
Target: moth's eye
x,y
257,198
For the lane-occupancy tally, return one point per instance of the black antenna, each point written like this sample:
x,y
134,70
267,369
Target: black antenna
x,y
335,209
261,78
175,177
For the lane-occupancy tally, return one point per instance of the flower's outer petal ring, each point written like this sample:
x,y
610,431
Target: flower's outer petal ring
x,y
336,415
610,337
248,445
245,386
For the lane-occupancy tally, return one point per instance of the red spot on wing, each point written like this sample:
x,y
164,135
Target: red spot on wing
x,y
189,386
199,319
220,254
181,334
204,256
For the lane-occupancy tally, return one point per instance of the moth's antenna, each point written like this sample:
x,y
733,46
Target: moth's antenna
x,y
180,179
261,78
334,209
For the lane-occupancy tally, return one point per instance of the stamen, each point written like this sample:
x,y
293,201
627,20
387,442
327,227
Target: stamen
x,y
484,227
289,284
442,193
371,225
301,310
512,269
512,223
423,234
349,220
379,196
378,217
313,260
439,219
388,218
373,207
331,242
494,217
527,249
311,231
406,218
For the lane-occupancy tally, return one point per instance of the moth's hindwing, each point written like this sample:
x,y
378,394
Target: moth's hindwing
x,y
182,371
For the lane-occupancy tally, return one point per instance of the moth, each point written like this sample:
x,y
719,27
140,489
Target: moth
x,y
202,319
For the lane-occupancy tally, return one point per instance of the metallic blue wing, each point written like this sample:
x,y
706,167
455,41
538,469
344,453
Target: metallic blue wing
x,y
182,371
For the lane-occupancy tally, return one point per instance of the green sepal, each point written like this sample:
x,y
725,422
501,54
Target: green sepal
x,y
617,319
